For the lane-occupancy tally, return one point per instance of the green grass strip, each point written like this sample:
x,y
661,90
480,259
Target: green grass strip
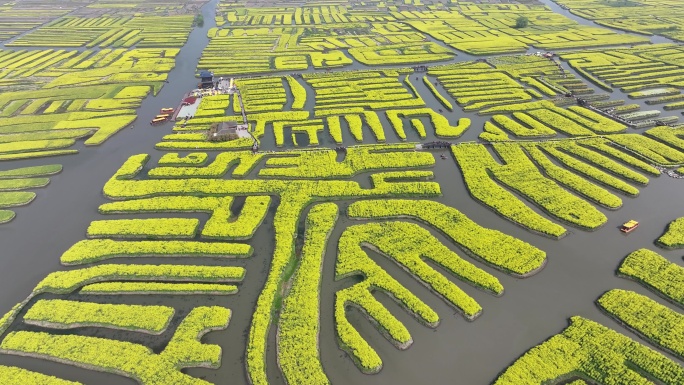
x,y
12,199
37,154
24,172
6,216
22,184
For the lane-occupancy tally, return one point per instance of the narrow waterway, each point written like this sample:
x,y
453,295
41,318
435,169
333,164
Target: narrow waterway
x,y
581,266
58,217
655,39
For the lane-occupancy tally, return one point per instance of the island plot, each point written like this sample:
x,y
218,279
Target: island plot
x,y
201,188
645,17
589,351
552,152
89,82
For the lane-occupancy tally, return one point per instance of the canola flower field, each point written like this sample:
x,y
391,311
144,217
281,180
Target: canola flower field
x,y
412,168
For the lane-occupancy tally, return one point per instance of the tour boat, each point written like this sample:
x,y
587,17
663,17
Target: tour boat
x,y
166,111
629,226
156,121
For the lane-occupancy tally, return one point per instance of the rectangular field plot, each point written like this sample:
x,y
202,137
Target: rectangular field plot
x,y
53,97
489,29
253,37
347,177
19,17
188,226
633,69
644,16
237,50
309,109
206,260
126,31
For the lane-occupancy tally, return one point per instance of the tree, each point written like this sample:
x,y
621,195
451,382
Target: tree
x,y
199,20
521,22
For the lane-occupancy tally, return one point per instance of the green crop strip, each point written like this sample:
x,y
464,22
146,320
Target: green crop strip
x,y
672,136
595,352
6,216
12,199
407,243
527,128
573,181
482,187
442,126
152,288
298,92
649,149
656,273
221,225
132,360
622,157
674,236
31,171
192,159
404,246
67,281
14,375
603,162
655,322
244,162
22,184
444,101
14,180
321,164
298,325
590,171
62,314
494,247
95,250
407,81
144,228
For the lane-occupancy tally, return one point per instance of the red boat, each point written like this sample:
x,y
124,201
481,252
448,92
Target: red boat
x,y
629,226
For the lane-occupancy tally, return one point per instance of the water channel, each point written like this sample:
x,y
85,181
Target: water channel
x,y
580,267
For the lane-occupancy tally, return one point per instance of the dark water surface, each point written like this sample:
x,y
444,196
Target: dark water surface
x,y
580,267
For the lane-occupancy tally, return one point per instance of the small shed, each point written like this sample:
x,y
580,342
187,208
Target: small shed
x,y
221,132
206,79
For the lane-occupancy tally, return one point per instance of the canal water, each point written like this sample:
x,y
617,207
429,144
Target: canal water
x,y
580,266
